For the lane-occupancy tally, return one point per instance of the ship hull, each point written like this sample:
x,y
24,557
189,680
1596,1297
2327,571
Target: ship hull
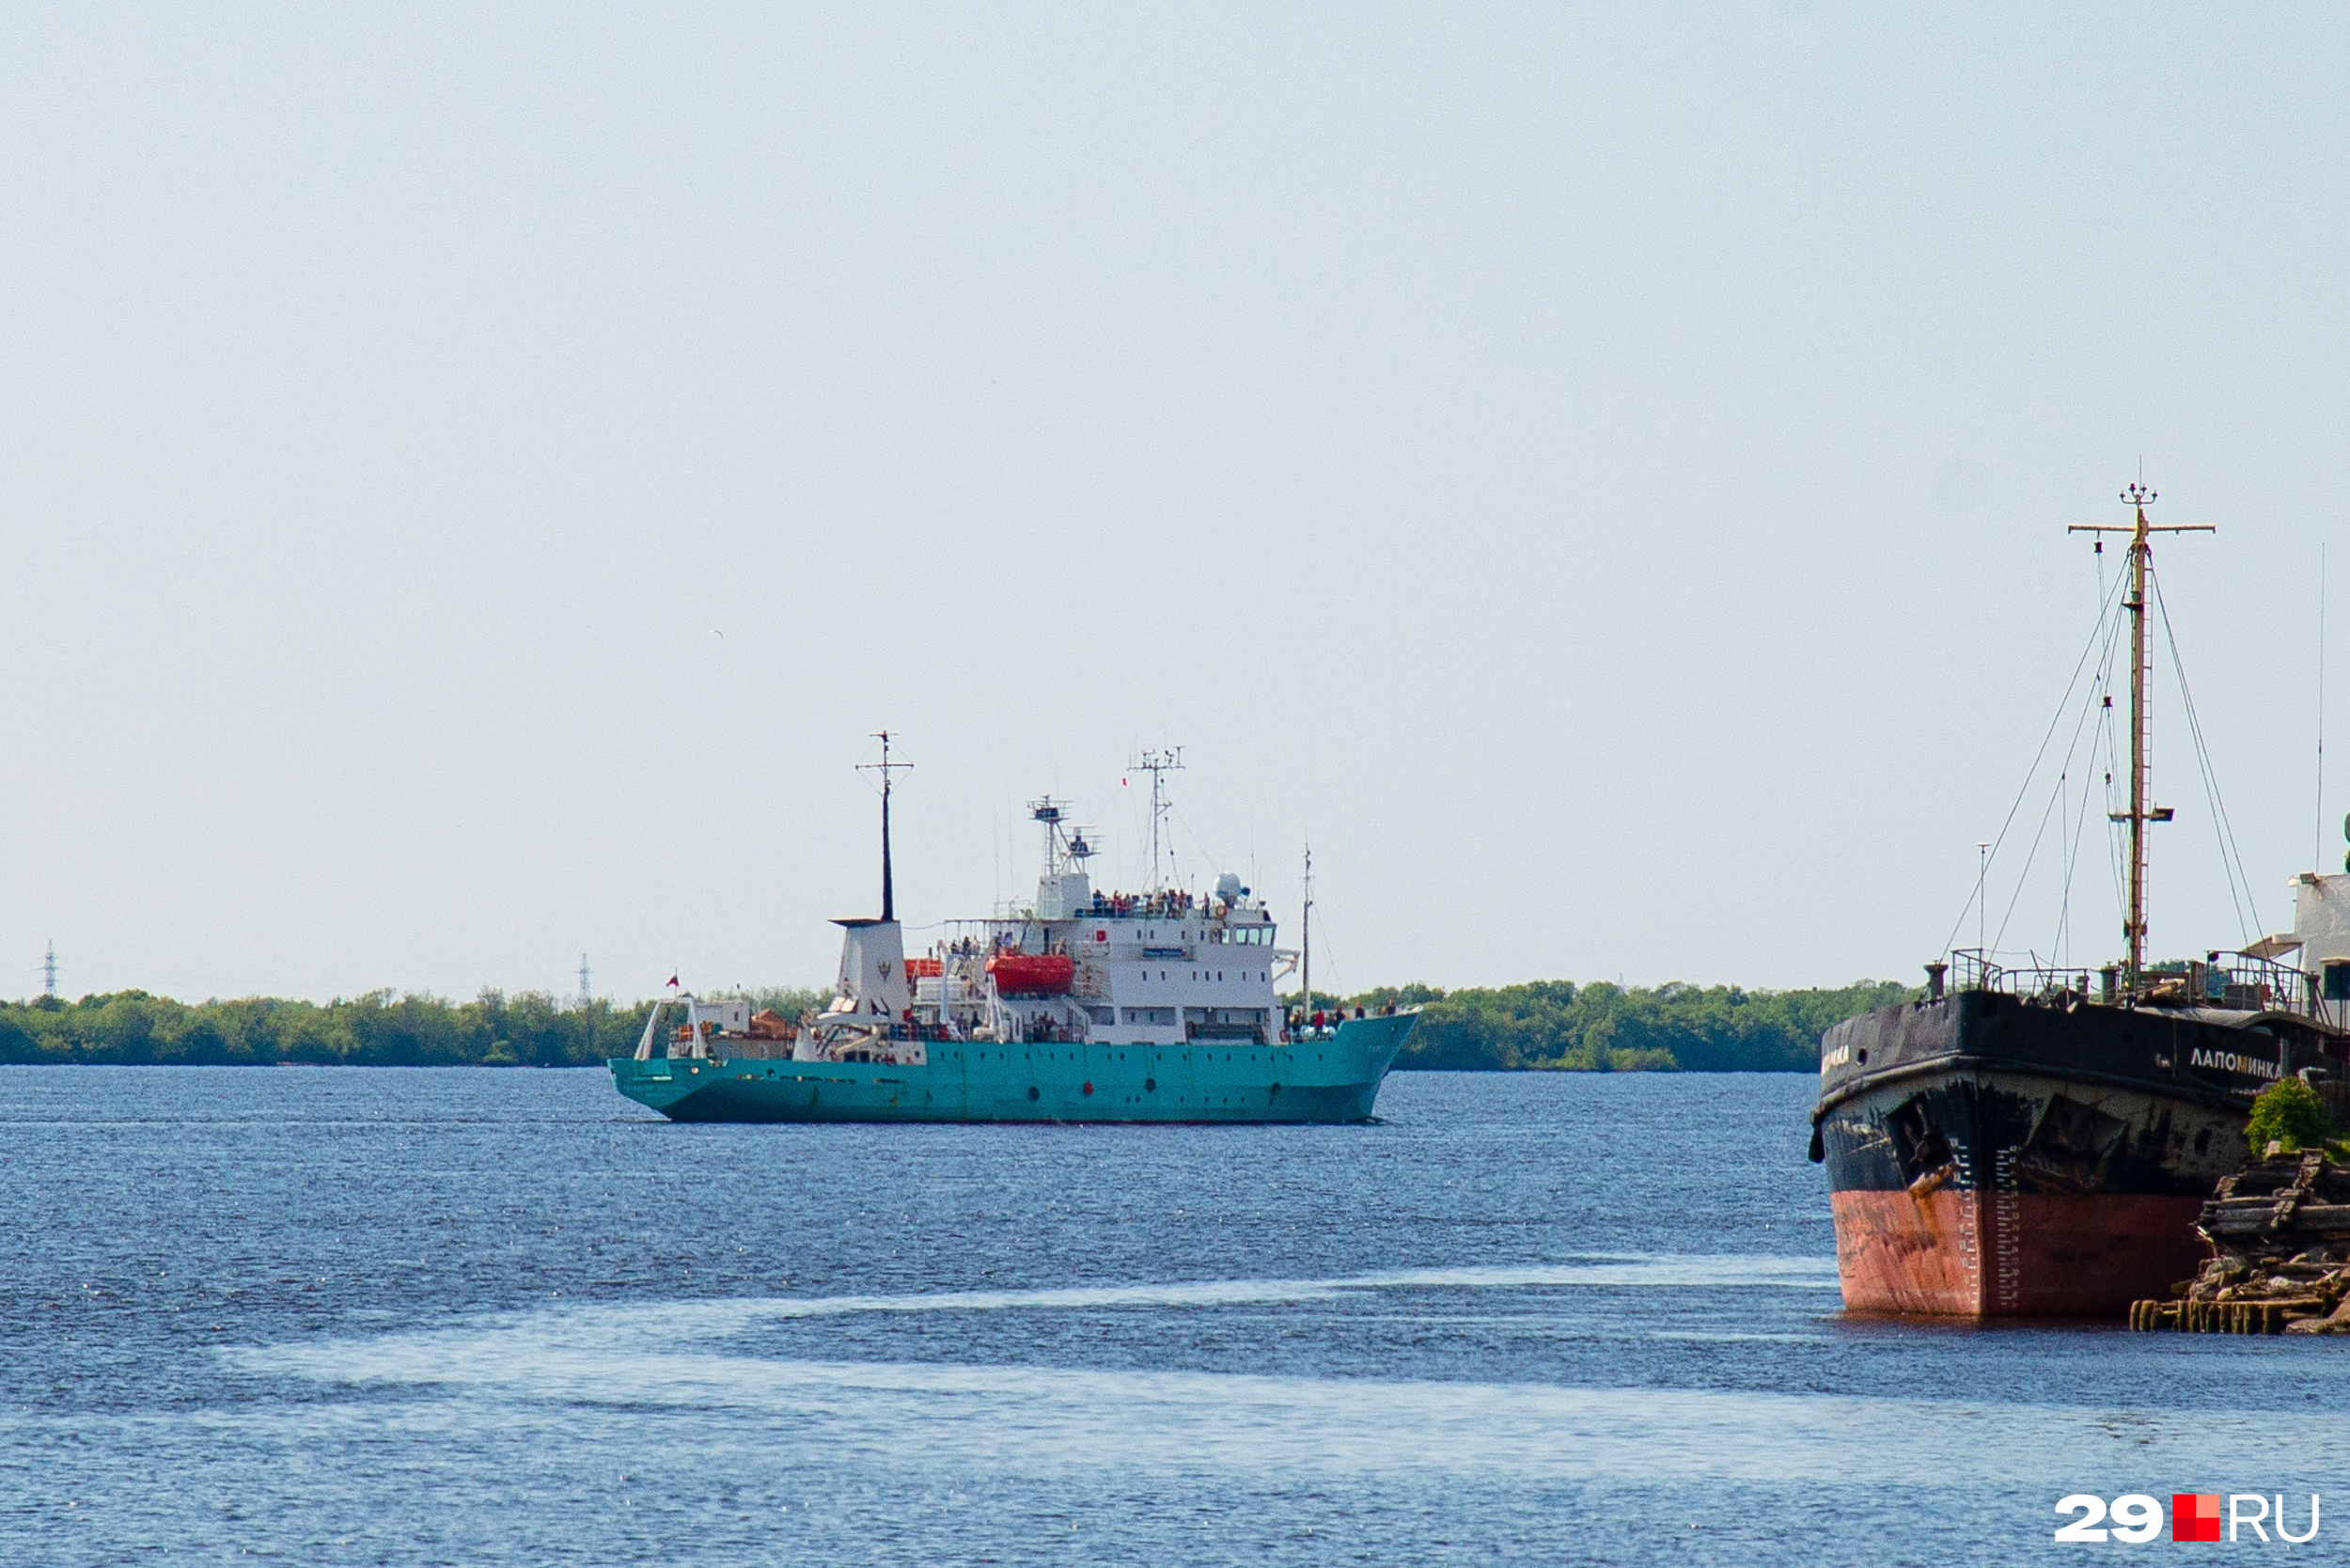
x,y
1335,1079
1991,1157
2034,1255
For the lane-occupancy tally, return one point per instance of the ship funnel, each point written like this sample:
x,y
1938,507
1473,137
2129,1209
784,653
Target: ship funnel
x,y
872,984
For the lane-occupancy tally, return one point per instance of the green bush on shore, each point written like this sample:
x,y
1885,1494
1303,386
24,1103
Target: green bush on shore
x,y
2289,1112
1551,1024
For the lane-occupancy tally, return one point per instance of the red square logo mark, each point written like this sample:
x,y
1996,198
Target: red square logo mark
x,y
2193,1515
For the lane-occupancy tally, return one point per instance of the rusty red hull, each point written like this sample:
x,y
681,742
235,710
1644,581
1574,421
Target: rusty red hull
x,y
2034,1255
1993,1156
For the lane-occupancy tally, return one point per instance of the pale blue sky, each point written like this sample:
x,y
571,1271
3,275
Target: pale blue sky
x,y
1602,473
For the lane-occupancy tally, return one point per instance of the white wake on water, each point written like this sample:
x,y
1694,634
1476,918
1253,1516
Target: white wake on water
x,y
735,1313
664,1366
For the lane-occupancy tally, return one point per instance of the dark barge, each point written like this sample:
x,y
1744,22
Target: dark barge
x,y
2017,1148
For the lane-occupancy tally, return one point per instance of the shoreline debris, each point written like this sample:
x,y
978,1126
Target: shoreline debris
x,y
2279,1233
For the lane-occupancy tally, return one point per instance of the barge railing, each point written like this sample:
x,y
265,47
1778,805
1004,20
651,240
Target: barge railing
x,y
2239,981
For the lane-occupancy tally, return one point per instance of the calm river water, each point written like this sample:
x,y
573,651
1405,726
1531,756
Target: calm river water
x,y
355,1316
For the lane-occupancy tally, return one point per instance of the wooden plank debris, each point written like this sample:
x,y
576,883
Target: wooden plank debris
x,y
2280,1235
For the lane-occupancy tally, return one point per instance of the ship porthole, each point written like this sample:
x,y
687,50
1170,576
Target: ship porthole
x,y
1032,1092
1149,1085
1088,1089
1864,1056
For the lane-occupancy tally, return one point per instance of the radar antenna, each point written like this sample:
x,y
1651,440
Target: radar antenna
x,y
1065,844
2137,497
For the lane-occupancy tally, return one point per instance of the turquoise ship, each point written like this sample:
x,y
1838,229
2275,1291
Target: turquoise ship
x,y
1086,1006
1328,1075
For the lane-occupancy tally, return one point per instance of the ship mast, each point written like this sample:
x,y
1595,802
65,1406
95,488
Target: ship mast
x,y
1157,764
1305,932
884,767
2138,497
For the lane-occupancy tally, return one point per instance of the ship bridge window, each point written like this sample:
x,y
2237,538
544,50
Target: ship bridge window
x,y
2338,982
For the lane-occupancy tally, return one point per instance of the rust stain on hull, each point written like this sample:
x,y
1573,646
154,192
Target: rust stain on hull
x,y
2000,1254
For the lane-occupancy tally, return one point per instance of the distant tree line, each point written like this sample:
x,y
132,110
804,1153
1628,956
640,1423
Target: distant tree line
x,y
1547,1024
1562,1027
527,1029
1552,1025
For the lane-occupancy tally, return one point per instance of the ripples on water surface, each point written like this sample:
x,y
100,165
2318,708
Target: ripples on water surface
x,y
468,1316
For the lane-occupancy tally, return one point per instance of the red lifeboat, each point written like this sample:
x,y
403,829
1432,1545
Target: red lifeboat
x,y
1032,973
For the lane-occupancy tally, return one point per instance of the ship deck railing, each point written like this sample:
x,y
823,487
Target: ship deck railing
x,y
2238,981
1971,971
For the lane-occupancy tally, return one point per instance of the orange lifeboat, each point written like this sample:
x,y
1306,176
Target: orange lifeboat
x,y
1032,973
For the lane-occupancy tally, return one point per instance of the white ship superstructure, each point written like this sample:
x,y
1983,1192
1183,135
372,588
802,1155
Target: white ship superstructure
x,y
1159,967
